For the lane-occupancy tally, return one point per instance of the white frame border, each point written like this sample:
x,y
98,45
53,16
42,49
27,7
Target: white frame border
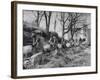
x,y
49,71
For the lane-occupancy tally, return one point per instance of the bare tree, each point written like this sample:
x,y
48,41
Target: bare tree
x,y
55,22
63,20
47,16
70,24
55,25
74,20
38,15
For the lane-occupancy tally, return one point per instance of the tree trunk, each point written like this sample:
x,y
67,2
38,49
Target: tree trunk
x,y
47,18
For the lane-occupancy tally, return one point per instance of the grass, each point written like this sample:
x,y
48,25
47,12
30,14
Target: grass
x,y
72,57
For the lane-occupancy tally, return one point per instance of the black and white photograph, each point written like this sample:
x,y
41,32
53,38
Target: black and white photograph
x,y
53,39
56,39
